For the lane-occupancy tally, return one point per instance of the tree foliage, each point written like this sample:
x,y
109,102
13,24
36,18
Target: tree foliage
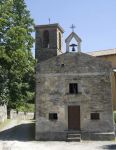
x,y
16,60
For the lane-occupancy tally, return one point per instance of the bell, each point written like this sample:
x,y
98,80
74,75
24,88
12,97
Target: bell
x,y
73,47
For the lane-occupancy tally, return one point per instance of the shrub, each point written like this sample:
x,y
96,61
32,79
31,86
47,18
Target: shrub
x,y
27,108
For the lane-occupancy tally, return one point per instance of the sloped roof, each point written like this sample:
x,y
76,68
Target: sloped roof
x,y
103,52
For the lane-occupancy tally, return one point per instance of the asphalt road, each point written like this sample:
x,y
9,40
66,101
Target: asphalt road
x,y
23,131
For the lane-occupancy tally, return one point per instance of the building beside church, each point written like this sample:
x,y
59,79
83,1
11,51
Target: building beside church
x,y
73,90
110,56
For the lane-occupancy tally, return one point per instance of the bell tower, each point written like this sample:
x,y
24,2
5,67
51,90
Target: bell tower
x,y
48,41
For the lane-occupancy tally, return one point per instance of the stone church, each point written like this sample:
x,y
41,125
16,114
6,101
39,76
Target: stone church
x,y
73,90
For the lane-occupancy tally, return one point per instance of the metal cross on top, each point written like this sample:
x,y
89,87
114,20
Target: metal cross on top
x,y
73,27
49,20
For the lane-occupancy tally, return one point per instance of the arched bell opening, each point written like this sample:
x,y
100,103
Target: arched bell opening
x,y
46,39
73,45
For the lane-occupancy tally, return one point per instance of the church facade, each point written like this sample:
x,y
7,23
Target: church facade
x,y
73,90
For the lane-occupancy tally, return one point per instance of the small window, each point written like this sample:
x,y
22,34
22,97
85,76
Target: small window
x,y
53,116
62,65
73,88
95,116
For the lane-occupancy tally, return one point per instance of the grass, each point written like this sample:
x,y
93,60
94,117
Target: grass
x,y
5,123
115,116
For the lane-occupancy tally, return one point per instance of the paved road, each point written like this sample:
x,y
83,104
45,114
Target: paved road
x,y
23,131
21,137
16,145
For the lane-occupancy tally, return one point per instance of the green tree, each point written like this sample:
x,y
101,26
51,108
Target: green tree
x,y
16,60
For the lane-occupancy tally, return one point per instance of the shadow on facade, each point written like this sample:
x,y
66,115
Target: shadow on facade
x,y
22,132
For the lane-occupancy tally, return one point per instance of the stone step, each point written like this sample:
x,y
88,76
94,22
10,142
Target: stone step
x,y
73,137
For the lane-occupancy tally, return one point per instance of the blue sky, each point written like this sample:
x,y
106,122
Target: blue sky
x,y
95,20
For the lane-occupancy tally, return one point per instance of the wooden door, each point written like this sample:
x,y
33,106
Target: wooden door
x,y
74,117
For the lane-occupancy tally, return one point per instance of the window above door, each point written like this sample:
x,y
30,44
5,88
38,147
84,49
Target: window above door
x,y
73,88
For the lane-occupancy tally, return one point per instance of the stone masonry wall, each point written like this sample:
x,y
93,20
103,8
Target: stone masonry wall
x,y
90,99
3,113
21,115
